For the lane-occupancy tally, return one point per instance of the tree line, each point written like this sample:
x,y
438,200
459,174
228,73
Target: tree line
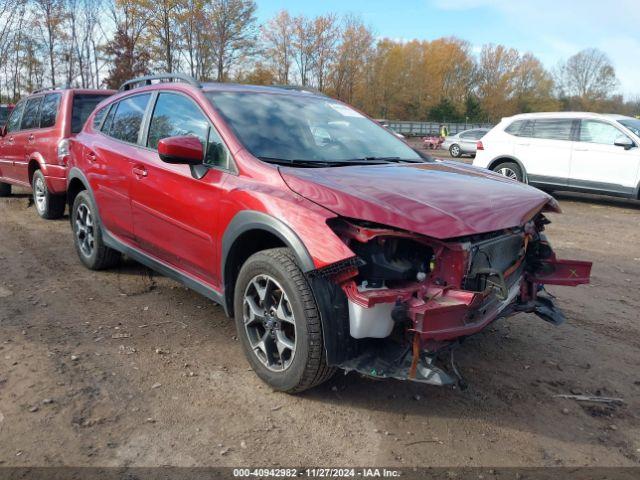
x,y
102,43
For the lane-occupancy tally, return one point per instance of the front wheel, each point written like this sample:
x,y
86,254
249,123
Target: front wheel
x,y
278,322
87,235
455,151
48,205
510,170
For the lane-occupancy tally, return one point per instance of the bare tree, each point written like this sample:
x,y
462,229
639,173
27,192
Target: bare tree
x,y
233,32
277,37
326,33
588,75
50,14
303,47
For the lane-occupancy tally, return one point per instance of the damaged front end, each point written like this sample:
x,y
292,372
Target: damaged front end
x,y
405,300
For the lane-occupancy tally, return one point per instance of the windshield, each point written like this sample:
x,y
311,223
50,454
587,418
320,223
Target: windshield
x,y
632,124
306,129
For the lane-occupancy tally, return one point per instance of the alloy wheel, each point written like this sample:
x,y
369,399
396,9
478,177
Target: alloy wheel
x,y
455,150
84,230
269,323
507,172
40,194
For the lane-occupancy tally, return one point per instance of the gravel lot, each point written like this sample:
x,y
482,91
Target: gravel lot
x,y
128,368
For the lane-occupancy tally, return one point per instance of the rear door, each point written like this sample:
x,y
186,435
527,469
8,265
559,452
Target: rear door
x,y
598,164
544,147
44,138
109,158
174,211
25,139
8,146
468,141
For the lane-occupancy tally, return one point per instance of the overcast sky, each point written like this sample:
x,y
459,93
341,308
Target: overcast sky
x,y
551,29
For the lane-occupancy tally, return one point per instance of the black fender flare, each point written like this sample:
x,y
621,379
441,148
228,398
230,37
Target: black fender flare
x,y
76,174
247,220
509,158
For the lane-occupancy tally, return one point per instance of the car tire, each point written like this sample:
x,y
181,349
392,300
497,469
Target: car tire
x,y
510,170
48,205
278,322
87,235
455,151
5,189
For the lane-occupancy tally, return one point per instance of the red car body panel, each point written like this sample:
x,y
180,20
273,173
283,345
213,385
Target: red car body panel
x,y
24,151
180,220
440,200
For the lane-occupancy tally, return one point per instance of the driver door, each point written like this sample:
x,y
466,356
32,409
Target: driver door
x,y
175,210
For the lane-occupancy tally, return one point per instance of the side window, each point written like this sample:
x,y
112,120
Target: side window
x,y
467,134
31,115
97,118
515,128
128,118
176,115
553,129
49,110
592,131
478,134
106,126
13,125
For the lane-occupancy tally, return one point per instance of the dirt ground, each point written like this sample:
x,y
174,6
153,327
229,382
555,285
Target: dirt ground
x,y
127,368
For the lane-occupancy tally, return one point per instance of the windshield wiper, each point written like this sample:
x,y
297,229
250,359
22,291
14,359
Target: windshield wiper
x,y
323,163
389,160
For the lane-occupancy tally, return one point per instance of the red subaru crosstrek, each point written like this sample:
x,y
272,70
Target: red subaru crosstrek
x,y
331,241
34,144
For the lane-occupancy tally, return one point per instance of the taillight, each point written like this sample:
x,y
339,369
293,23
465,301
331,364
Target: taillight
x,y
63,151
479,145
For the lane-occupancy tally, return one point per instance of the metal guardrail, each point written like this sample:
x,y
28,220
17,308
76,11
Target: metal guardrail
x,y
425,129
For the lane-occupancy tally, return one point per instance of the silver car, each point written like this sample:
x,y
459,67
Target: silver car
x,y
464,143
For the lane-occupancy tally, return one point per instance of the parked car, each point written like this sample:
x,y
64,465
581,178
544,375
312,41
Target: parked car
x,y
5,110
586,152
463,143
330,241
34,144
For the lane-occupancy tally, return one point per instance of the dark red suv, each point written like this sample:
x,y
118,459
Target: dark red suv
x,y
34,144
331,241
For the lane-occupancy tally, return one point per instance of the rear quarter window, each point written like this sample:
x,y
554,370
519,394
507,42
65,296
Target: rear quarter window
x,y
49,110
83,105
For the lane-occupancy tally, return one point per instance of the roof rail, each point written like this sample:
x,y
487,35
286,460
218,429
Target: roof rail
x,y
299,88
46,89
162,77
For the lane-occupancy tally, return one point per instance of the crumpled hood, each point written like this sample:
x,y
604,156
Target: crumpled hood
x,y
440,199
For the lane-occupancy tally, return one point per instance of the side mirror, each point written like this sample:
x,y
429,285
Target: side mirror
x,y
624,142
185,150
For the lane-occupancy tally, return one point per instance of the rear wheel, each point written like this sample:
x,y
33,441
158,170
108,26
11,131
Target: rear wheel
x,y
278,322
87,235
455,151
48,206
5,189
510,170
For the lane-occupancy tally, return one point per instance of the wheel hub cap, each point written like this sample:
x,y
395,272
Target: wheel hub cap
x,y
507,172
269,323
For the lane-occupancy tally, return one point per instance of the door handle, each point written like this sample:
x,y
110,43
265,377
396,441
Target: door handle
x,y
90,156
523,144
139,172
10,140
580,149
31,138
